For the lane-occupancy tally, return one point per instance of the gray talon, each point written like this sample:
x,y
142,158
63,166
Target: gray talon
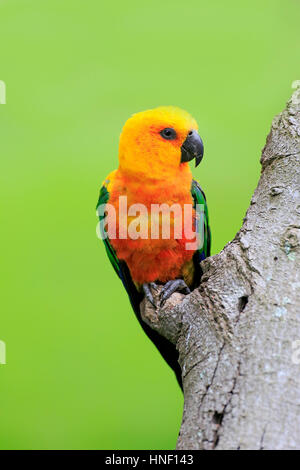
x,y
172,286
153,286
148,293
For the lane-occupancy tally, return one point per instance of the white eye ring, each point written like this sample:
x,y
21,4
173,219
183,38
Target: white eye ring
x,y
168,133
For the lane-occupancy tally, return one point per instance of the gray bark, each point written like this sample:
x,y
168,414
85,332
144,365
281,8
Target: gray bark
x,y
237,333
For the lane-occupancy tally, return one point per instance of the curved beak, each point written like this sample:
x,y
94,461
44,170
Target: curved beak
x,y
192,147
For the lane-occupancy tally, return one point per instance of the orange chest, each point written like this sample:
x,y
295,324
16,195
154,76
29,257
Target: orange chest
x,y
149,192
153,247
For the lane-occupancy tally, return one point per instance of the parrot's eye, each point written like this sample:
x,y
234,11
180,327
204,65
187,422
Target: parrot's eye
x,y
168,133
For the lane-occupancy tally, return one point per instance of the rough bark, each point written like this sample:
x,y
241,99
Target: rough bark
x,y
236,333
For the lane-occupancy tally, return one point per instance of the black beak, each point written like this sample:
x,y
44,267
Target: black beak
x,y
192,147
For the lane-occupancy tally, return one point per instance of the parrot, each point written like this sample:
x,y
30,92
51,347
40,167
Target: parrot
x,y
155,148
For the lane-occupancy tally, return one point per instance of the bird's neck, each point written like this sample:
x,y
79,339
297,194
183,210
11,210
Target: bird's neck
x,y
172,182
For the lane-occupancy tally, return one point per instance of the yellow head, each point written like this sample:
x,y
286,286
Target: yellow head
x,y
159,141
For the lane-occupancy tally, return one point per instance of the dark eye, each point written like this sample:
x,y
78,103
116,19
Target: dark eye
x,y
168,133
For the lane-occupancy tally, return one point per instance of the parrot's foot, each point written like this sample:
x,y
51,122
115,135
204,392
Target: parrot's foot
x,y
172,286
147,291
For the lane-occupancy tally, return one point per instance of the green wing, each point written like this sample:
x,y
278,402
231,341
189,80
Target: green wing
x,y
203,225
103,199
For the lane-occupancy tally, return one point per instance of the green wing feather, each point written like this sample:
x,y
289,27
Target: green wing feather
x,y
103,199
199,198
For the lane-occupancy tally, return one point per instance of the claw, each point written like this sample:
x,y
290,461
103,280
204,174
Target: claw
x,y
153,286
148,294
172,286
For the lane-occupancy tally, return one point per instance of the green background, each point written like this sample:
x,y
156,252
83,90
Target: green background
x,y
80,373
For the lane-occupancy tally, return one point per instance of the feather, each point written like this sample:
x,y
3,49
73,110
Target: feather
x,y
167,349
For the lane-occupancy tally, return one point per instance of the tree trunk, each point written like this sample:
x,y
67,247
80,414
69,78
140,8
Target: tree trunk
x,y
238,334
